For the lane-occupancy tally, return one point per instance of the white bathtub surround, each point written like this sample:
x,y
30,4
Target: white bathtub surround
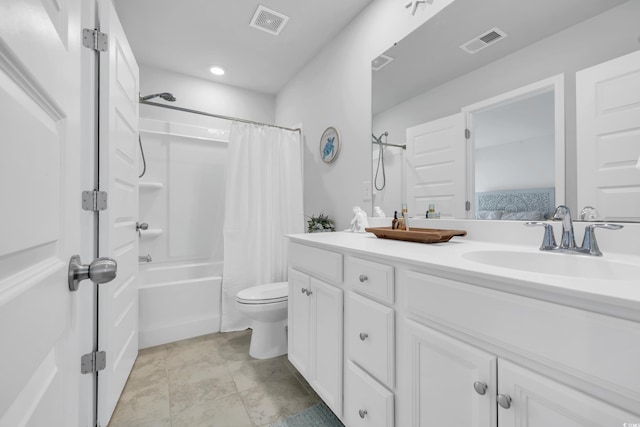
x,y
263,203
179,290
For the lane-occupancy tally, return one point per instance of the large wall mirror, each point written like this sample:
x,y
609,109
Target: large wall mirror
x,y
508,71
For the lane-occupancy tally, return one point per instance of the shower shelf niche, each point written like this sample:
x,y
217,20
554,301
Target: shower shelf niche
x,y
150,186
151,233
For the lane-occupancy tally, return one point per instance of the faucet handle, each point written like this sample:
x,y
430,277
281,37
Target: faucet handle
x,y
549,240
589,242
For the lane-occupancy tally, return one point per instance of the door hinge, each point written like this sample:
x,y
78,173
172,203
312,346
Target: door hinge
x,y
467,205
93,362
94,200
94,39
467,133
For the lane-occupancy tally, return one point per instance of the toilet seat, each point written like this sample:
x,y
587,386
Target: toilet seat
x,y
269,293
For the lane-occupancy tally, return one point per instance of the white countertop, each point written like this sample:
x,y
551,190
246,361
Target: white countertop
x,y
612,297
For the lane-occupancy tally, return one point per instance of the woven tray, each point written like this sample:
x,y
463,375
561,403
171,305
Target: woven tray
x,y
420,235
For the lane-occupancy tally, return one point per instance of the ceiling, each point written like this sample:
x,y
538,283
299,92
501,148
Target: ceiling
x,y
190,36
431,56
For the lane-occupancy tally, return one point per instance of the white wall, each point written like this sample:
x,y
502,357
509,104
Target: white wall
x,y
607,36
203,95
334,89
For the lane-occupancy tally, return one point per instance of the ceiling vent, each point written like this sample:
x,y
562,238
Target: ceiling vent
x,y
378,63
488,38
268,20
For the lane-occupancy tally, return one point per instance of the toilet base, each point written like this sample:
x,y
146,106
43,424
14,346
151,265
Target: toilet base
x,y
268,339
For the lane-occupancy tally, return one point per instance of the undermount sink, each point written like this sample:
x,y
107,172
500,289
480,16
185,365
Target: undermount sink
x,y
558,264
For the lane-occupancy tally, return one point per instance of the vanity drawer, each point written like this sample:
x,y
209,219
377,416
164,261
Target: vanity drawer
x,y
370,278
367,402
370,337
317,262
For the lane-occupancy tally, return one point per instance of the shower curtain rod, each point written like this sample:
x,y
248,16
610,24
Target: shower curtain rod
x,y
218,116
404,147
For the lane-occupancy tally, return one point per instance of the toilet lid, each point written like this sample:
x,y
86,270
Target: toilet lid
x,y
261,294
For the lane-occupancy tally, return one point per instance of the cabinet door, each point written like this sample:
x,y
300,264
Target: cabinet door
x,y
537,401
438,374
326,343
299,317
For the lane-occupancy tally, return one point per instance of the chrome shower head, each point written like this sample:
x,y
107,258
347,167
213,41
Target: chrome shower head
x,y
164,95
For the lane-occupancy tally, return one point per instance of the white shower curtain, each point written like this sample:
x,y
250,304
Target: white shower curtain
x,y
263,203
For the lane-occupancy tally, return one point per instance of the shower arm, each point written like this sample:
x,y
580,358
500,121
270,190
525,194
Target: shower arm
x,y
378,140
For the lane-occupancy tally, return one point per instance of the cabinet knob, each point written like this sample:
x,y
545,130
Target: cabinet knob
x,y
303,290
362,412
363,278
504,400
480,387
364,336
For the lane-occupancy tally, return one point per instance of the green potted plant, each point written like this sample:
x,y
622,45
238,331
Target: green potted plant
x,y
320,224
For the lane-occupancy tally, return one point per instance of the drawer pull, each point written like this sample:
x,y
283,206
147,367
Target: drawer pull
x,y
362,412
480,387
504,400
363,278
364,336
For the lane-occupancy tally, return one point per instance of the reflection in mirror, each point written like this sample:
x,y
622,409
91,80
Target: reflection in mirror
x,y
516,158
518,139
432,77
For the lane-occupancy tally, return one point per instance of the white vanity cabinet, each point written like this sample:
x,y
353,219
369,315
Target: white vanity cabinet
x,y
453,383
315,322
429,343
480,357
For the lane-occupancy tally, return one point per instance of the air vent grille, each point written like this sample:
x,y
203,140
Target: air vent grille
x,y
268,20
487,38
378,63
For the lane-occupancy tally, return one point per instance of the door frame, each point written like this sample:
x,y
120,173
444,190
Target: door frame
x,y
555,84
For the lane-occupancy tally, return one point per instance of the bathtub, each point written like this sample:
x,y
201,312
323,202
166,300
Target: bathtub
x,y
178,301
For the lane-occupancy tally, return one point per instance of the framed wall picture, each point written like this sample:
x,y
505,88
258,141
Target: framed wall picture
x,y
330,145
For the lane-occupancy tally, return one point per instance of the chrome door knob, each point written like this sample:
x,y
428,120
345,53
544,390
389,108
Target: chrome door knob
x,y
363,278
362,413
504,400
101,270
480,387
363,336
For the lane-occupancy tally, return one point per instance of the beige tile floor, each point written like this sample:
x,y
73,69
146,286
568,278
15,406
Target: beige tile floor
x,y
210,381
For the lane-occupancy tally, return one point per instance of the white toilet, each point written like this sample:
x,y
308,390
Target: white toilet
x,y
266,305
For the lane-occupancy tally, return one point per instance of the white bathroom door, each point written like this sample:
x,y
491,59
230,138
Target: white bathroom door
x,y
42,223
436,167
117,235
608,119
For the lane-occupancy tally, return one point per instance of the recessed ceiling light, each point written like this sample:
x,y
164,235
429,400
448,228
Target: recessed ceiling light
x,y
218,71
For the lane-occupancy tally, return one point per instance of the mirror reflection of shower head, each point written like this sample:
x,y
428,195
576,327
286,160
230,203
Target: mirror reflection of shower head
x,y
164,95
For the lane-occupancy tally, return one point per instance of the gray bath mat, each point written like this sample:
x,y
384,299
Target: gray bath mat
x,y
316,416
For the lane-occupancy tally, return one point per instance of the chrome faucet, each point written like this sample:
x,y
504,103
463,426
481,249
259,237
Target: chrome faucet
x,y
568,241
